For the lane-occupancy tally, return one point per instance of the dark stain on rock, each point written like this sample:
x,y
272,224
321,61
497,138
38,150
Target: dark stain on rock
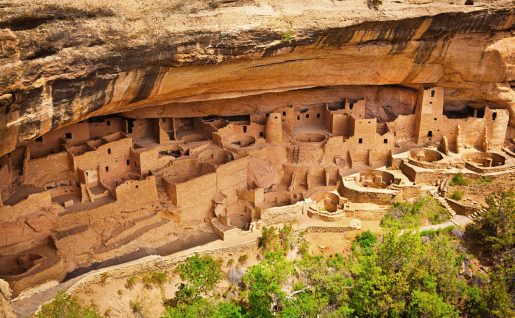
x,y
147,83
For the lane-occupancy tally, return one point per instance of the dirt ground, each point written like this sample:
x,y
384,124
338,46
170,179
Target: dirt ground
x,y
332,243
476,191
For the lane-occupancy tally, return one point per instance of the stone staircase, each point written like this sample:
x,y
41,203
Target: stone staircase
x,y
443,202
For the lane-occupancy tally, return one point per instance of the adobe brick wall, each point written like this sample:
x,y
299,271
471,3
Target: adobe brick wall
x,y
51,168
33,203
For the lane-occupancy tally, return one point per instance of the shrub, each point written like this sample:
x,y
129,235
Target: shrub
x,y
156,278
484,180
287,37
136,306
456,195
459,179
243,259
131,281
374,4
64,305
230,262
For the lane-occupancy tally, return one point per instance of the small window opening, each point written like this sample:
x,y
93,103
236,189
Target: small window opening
x,y
430,102
284,113
68,135
494,115
39,139
385,141
107,168
430,134
307,115
318,115
244,129
130,125
360,140
351,106
108,123
298,117
137,186
433,93
108,151
435,118
128,162
261,134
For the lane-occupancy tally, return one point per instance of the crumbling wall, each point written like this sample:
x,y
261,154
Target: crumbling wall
x,y
48,169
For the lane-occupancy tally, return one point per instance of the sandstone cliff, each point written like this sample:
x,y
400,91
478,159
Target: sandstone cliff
x,y
62,61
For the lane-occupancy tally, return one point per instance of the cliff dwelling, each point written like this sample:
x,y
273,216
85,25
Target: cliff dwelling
x,y
125,136
87,192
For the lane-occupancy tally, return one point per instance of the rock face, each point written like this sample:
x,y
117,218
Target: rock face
x,y
62,62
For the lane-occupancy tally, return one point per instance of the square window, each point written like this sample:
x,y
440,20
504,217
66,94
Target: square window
x,y
284,113
108,123
385,141
128,162
107,168
307,115
68,135
433,93
494,115
109,151
261,134
318,115
360,140
298,117
39,139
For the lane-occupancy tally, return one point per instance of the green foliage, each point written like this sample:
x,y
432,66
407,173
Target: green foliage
x,y
493,237
199,274
456,195
205,309
66,306
494,233
273,240
230,262
411,215
131,281
288,36
484,180
459,179
430,305
365,241
156,278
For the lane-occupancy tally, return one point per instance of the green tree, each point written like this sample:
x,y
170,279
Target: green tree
x,y
66,306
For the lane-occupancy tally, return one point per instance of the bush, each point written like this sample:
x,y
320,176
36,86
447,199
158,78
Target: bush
x,y
131,281
374,4
66,306
456,195
243,259
136,306
484,180
156,278
103,278
459,179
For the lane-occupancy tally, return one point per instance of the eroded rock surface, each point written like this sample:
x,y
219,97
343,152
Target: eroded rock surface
x,y
62,61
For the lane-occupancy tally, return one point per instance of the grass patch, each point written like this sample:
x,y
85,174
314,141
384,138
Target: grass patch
x,y
484,180
456,195
459,179
136,306
131,281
